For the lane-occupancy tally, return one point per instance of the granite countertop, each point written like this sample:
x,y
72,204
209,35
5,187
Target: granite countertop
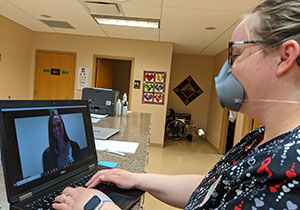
x,y
133,128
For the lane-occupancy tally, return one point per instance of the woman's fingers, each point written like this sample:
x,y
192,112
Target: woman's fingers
x,y
63,202
61,198
121,178
69,191
60,206
97,178
74,198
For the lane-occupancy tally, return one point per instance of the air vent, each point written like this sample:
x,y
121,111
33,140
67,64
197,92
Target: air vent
x,y
58,24
103,8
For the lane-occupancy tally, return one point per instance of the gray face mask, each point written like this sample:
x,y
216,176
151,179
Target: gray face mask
x,y
229,89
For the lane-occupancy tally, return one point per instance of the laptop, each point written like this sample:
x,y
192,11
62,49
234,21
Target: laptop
x,y
104,133
34,174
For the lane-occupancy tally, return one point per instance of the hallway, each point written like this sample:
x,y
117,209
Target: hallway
x,y
179,157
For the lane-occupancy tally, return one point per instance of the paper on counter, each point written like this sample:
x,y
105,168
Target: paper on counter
x,y
97,117
118,146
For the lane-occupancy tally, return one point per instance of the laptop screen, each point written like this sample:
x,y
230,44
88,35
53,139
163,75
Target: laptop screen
x,y
42,140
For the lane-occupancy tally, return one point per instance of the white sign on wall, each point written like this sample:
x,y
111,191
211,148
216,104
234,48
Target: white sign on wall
x,y
83,77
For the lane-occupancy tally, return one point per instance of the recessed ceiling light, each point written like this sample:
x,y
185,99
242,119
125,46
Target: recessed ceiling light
x,y
45,16
210,28
127,21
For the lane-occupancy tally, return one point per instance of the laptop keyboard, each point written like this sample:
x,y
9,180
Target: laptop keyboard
x,y
45,202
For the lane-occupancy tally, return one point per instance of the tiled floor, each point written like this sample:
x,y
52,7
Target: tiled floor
x,y
179,157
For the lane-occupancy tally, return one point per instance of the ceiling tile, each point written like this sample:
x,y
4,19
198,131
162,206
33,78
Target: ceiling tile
x,y
221,5
131,33
143,2
220,43
189,32
10,11
182,22
50,5
142,11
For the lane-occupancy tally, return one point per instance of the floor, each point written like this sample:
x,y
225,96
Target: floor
x,y
179,157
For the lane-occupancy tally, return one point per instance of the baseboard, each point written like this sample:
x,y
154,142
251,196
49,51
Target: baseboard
x,y
214,147
156,145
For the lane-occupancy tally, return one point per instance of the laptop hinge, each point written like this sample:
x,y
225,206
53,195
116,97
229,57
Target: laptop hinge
x,y
91,166
25,196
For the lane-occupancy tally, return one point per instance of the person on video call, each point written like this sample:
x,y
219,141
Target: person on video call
x,y
261,79
61,150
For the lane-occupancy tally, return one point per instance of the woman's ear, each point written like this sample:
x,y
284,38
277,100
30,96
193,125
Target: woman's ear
x,y
289,52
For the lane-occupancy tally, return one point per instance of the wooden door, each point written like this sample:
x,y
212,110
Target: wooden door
x,y
54,75
255,124
104,74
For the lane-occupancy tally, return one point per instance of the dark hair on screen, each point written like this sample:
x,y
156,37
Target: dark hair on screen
x,y
52,139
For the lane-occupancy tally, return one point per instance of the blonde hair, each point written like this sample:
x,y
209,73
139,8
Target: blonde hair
x,y
279,21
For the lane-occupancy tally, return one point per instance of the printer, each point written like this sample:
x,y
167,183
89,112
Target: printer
x,y
101,101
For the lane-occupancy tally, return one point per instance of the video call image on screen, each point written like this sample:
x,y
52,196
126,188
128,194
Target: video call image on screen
x,y
49,143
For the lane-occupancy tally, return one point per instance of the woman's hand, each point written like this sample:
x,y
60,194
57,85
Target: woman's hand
x,y
122,179
76,198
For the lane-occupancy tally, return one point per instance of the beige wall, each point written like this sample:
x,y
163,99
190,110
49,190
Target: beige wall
x,y
155,56
15,50
19,45
200,68
214,124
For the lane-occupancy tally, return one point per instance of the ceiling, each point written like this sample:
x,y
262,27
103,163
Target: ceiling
x,y
182,22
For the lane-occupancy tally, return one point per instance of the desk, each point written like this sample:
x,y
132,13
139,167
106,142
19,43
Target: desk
x,y
134,127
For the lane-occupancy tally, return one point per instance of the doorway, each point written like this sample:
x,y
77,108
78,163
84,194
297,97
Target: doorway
x,y
114,74
230,131
54,75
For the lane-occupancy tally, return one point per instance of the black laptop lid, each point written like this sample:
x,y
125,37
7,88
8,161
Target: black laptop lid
x,y
31,133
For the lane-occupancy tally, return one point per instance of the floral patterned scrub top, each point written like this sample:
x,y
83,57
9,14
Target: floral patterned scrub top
x,y
252,178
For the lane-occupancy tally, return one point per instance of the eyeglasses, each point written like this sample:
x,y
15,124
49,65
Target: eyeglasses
x,y
230,44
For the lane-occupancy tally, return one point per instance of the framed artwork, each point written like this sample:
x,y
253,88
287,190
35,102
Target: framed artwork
x,y
154,87
188,90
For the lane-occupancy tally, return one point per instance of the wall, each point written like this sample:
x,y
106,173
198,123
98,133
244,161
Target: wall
x,y
18,45
147,55
200,68
15,50
215,120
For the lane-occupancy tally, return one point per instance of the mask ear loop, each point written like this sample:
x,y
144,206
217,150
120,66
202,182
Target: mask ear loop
x,y
272,101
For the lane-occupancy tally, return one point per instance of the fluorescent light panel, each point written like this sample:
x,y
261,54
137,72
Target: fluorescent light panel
x,y
126,21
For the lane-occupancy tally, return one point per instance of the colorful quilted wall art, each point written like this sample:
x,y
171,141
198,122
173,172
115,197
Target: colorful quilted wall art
x,y
154,87
188,90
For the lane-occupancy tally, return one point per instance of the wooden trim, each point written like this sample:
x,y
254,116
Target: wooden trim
x,y
35,74
255,124
115,58
131,82
242,127
58,52
156,145
224,131
214,147
247,125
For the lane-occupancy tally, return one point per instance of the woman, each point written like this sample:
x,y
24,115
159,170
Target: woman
x,y
61,150
262,80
